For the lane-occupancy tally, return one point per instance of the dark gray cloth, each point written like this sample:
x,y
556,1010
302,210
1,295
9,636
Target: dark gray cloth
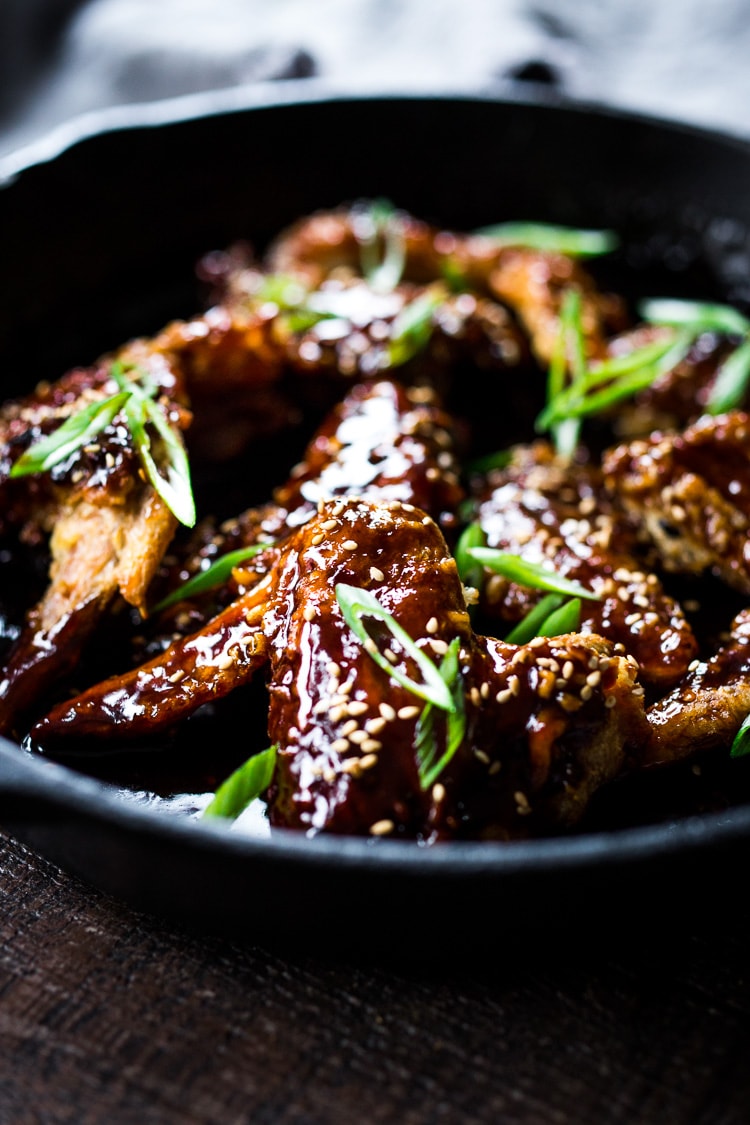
x,y
676,58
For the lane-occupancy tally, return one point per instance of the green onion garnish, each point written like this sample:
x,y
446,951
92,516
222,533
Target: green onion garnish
x,y
569,349
425,737
469,570
380,223
530,625
732,378
566,619
75,431
173,483
214,575
243,786
700,316
555,239
500,459
741,743
695,317
412,328
356,604
137,404
534,575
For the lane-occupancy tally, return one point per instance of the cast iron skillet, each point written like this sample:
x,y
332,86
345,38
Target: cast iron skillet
x,y
99,238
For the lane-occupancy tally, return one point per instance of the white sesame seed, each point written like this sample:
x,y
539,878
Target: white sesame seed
x,y
586,693
368,761
432,625
594,679
357,707
482,757
317,539
504,695
357,735
376,574
375,726
371,745
409,712
438,792
340,745
381,827
568,670
309,612
328,525
350,545
438,646
388,712
495,767
348,728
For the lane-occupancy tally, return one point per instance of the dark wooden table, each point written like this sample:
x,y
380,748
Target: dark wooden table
x,y
109,1016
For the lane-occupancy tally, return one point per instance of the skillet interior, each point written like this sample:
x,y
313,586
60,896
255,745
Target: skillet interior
x,y
99,244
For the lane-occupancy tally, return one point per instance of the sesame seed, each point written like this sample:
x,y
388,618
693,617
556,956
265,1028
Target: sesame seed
x,y
348,728
594,679
438,792
432,625
352,766
693,665
484,690
340,745
475,696
358,735
504,695
495,768
523,808
368,761
438,646
309,612
381,827
357,707
338,712
317,539
350,545
176,676
376,574
514,684
225,662
409,712
586,693
371,745
388,712
328,525
374,726
568,670
482,757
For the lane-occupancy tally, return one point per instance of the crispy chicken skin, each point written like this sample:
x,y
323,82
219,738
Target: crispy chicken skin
x,y
556,714
688,494
547,511
707,707
109,529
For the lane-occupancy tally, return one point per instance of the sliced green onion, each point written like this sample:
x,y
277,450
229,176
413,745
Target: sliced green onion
x,y
701,316
644,367
534,575
355,604
243,786
469,570
453,275
566,619
566,433
741,743
173,484
556,239
528,627
732,378
425,738
498,460
75,431
381,222
214,575
412,328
